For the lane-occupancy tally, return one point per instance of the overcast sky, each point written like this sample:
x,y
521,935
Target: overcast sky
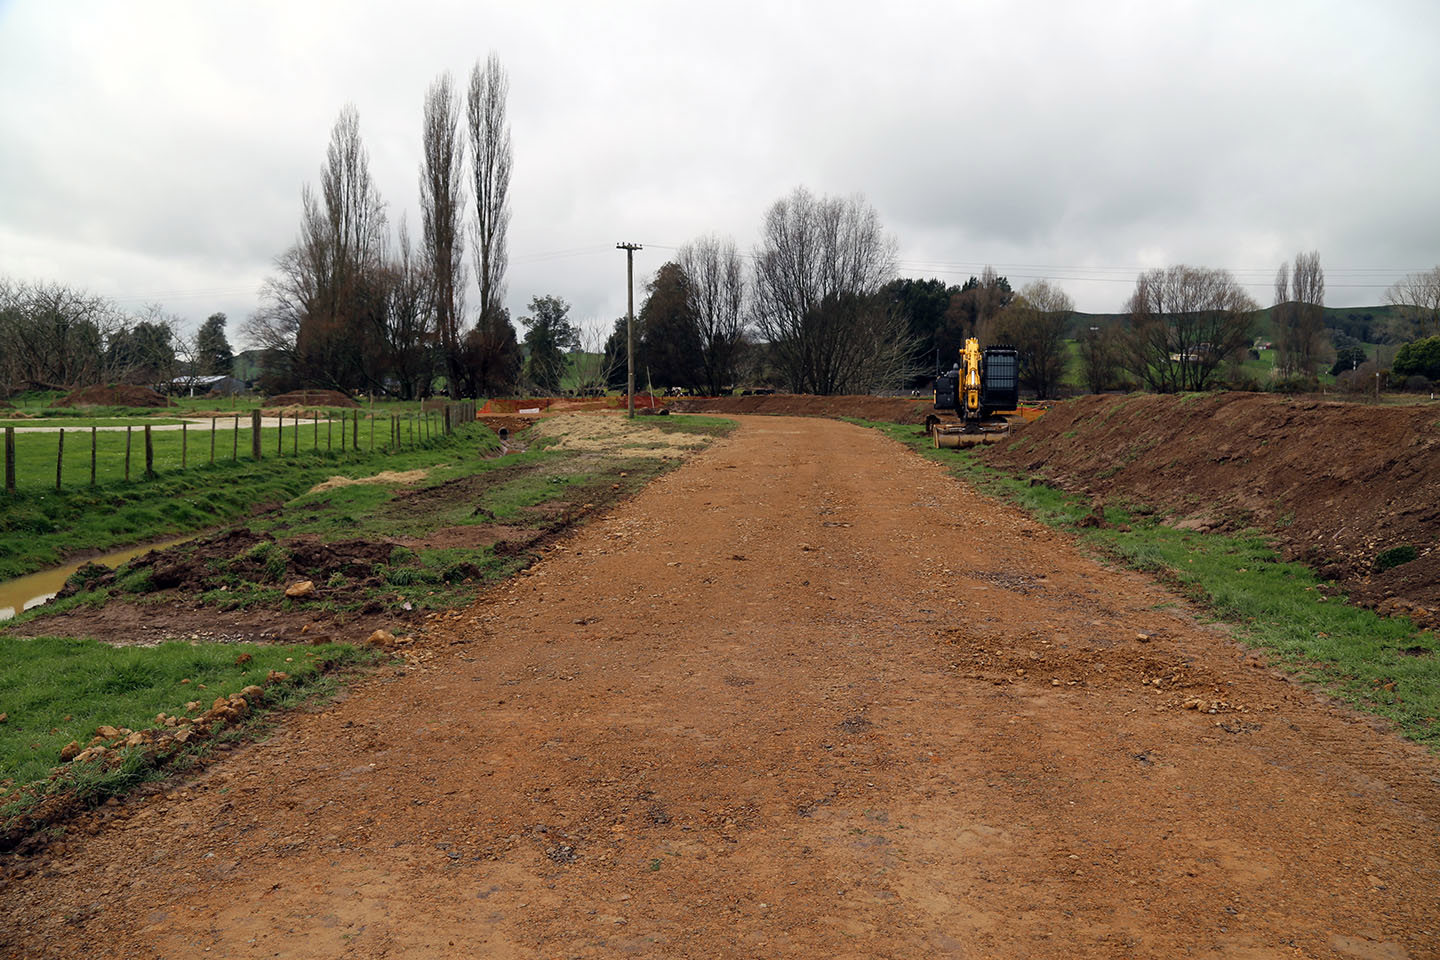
x,y
156,151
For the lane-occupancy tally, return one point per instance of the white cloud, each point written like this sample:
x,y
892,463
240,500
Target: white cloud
x,y
160,148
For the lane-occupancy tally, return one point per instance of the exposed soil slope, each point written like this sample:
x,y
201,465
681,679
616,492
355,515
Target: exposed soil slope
x,y
805,697
1336,483
312,398
893,409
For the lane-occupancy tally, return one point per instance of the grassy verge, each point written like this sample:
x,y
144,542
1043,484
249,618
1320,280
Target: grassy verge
x,y
56,690
1383,665
40,527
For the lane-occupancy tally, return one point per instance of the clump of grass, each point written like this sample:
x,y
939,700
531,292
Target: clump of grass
x,y
58,689
1394,557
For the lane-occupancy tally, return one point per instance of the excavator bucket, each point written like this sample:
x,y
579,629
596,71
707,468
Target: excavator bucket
x,y
956,437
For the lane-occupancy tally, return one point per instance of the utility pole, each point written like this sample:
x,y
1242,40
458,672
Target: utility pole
x,y
629,249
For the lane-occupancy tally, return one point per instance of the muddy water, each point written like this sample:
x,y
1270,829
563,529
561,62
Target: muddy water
x,y
22,593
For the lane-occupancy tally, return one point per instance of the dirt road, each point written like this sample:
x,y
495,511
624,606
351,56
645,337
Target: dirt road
x,y
804,697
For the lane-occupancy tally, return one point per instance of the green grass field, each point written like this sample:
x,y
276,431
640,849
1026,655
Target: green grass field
x,y
39,527
1383,665
55,690
193,445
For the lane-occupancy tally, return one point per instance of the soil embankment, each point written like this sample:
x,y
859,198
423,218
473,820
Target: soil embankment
x,y
804,697
892,409
1337,484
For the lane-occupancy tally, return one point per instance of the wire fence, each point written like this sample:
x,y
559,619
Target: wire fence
x,y
78,457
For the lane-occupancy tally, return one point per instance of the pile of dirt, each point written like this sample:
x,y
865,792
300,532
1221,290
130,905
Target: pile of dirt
x,y
1336,484
895,409
501,405
115,395
311,398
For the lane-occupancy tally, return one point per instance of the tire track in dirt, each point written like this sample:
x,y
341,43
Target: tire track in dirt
x,y
804,697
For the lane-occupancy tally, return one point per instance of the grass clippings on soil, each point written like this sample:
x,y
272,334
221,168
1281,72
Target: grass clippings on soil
x,y
386,477
610,433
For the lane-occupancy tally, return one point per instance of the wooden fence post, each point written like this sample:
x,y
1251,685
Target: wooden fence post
x,y
329,434
212,441
235,440
184,445
149,455
59,457
355,429
92,456
127,453
255,434
280,435
9,459
296,440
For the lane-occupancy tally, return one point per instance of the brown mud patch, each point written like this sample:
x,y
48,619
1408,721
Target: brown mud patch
x,y
352,595
311,398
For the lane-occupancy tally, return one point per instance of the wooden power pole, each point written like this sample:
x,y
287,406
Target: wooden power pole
x,y
629,249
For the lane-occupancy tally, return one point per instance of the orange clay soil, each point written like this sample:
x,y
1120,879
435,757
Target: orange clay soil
x,y
804,697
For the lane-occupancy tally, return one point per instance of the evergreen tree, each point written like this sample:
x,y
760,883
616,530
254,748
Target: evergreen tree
x,y
549,334
212,348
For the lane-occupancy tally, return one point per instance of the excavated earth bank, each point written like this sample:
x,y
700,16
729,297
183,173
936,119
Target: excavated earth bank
x,y
1336,484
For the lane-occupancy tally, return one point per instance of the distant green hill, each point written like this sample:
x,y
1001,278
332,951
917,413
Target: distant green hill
x,y
1362,323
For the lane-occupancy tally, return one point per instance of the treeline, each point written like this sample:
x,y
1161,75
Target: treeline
x,y
355,307
55,337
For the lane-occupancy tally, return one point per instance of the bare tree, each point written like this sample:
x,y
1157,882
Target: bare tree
x,y
53,337
1035,323
404,323
1101,358
442,204
1417,299
1183,323
314,318
490,160
715,292
590,363
1298,317
818,272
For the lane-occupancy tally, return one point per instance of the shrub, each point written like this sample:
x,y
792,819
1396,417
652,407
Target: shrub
x,y
1394,557
1420,357
1298,383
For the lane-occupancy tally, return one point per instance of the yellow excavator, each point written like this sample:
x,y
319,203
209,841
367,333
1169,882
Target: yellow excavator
x,y
973,398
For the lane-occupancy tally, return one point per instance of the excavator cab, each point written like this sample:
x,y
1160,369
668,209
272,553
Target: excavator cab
x,y
970,396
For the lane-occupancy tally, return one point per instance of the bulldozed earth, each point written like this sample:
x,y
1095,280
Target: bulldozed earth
x,y
1346,488
805,696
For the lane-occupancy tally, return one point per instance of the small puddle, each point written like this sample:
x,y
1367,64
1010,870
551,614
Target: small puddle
x,y
25,592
